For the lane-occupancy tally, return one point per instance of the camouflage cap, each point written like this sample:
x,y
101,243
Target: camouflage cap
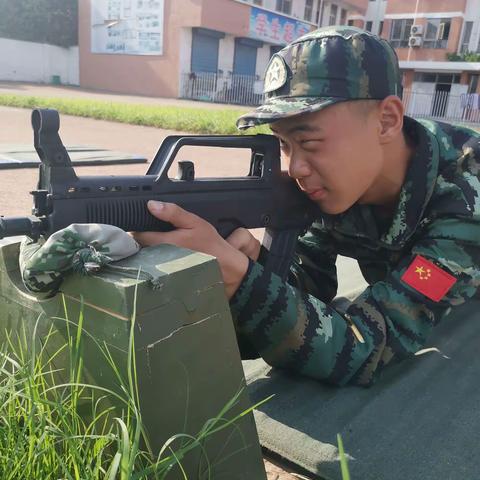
x,y
326,66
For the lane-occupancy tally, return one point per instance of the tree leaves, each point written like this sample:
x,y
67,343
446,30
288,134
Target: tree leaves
x,y
44,21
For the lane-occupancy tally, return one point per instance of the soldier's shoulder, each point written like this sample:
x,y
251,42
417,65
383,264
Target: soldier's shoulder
x,y
454,140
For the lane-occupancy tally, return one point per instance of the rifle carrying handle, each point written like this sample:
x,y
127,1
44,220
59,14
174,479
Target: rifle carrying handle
x,y
266,145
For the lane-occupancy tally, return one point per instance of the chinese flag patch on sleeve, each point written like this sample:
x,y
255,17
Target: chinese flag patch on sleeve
x,y
425,277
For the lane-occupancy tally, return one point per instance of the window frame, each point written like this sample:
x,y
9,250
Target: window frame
x,y
467,30
308,10
284,6
405,28
332,6
440,38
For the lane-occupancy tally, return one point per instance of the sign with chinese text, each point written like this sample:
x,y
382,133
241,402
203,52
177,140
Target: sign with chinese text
x,y
274,28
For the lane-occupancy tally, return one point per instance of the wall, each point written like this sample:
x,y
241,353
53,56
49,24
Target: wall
x,y
155,75
375,13
37,62
403,6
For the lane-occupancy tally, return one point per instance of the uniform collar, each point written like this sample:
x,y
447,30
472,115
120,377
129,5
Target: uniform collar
x,y
417,189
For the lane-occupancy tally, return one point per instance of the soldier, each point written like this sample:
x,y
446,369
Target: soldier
x,y
400,196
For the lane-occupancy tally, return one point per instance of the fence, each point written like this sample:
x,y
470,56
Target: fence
x,y
247,90
215,87
444,106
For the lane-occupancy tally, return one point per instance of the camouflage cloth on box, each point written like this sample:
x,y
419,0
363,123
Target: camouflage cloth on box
x,y
83,248
294,326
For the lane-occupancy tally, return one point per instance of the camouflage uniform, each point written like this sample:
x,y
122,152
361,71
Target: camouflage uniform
x,y
294,326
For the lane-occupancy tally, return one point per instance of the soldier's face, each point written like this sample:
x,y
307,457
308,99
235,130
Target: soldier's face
x,y
334,155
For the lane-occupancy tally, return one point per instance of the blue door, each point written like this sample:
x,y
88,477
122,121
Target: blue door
x,y
245,59
205,50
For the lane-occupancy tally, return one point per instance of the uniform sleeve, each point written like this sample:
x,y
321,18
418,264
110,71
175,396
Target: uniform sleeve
x,y
295,330
313,268
313,265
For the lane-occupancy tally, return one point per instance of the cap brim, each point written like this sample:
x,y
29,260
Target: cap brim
x,y
278,108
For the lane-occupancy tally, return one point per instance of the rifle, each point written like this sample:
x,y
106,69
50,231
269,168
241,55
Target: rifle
x,y
266,197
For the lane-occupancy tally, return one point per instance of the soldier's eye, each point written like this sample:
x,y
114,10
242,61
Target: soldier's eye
x,y
311,144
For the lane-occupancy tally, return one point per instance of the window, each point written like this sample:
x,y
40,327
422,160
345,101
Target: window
x,y
307,15
343,17
368,26
467,33
436,33
333,14
428,77
380,28
284,6
472,88
400,32
350,23
320,12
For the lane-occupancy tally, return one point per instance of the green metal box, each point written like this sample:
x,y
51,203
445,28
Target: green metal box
x,y
187,359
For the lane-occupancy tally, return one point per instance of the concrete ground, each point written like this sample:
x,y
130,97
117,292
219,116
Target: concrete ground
x,y
16,184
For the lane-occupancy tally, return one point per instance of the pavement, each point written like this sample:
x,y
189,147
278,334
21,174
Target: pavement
x,y
136,140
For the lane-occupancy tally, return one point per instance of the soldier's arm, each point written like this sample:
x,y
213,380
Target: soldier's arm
x,y
313,268
389,320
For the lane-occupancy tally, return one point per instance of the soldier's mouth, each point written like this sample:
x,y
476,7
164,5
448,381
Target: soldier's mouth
x,y
316,194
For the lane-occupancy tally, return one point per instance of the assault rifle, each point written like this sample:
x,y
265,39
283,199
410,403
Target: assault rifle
x,y
266,197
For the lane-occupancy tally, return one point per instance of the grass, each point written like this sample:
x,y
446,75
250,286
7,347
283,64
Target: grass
x,y
51,429
186,119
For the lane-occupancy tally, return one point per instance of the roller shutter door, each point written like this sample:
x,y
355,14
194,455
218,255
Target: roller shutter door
x,y
245,59
205,50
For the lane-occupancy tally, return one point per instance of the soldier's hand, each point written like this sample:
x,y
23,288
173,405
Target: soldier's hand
x,y
197,234
243,240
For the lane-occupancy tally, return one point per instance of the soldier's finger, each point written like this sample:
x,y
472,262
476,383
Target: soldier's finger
x,y
239,238
172,213
147,239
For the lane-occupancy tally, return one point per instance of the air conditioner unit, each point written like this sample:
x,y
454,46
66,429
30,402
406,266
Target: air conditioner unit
x,y
415,42
416,30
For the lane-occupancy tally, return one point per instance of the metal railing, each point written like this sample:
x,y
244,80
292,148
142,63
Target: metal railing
x,y
444,106
216,87
247,90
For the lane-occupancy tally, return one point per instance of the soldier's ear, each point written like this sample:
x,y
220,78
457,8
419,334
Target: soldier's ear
x,y
390,115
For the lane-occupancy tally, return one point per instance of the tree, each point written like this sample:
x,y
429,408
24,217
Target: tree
x,y
43,21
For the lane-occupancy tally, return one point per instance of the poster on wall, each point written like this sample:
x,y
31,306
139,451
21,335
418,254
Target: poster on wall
x,y
133,27
274,28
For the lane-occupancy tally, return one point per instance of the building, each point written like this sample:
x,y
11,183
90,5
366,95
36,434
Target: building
x,y
432,39
214,50
217,50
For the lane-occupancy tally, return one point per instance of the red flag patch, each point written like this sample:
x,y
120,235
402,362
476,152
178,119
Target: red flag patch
x,y
427,278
